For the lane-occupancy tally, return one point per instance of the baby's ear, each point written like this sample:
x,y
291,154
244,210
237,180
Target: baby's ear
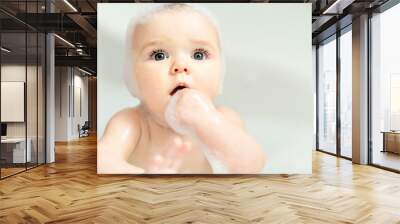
x,y
232,116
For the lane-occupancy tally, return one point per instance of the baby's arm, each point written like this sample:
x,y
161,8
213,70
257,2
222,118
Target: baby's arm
x,y
221,131
230,142
117,143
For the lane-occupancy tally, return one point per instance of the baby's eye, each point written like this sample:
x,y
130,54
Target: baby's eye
x,y
200,54
159,55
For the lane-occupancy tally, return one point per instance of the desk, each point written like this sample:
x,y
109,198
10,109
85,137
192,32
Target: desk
x,y
391,141
16,147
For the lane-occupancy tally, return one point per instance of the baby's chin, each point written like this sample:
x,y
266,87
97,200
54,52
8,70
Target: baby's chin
x,y
157,116
163,123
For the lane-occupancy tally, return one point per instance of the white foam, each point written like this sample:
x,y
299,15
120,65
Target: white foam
x,y
170,117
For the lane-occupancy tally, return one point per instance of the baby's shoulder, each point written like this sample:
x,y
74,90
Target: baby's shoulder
x,y
127,118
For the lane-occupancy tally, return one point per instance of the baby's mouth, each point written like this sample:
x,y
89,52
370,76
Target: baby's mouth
x,y
177,88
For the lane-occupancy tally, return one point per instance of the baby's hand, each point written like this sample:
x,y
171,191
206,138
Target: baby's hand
x,y
108,161
171,160
187,108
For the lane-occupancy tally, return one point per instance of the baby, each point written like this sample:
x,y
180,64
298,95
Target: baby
x,y
176,69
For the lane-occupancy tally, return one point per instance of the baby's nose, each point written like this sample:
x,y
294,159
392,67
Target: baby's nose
x,y
179,66
179,70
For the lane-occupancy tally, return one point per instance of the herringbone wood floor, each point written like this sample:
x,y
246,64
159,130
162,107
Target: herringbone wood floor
x,y
70,191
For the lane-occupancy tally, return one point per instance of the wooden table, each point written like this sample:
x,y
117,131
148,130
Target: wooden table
x,y
14,149
391,141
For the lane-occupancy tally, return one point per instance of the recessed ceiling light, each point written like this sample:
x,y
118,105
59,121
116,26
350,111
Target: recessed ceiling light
x,y
70,5
64,40
5,50
337,7
84,71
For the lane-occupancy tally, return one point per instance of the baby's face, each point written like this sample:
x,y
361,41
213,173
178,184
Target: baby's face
x,y
173,48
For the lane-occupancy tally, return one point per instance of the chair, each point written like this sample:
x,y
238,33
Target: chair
x,y
84,130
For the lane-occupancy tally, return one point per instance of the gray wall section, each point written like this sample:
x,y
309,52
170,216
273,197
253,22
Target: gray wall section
x,y
360,90
50,107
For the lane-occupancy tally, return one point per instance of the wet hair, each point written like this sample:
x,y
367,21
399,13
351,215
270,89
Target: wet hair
x,y
144,17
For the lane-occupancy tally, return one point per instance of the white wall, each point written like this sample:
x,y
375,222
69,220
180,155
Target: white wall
x,y
80,84
268,77
68,82
61,103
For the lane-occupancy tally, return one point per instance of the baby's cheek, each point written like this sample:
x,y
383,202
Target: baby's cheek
x,y
209,86
157,100
209,78
154,98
